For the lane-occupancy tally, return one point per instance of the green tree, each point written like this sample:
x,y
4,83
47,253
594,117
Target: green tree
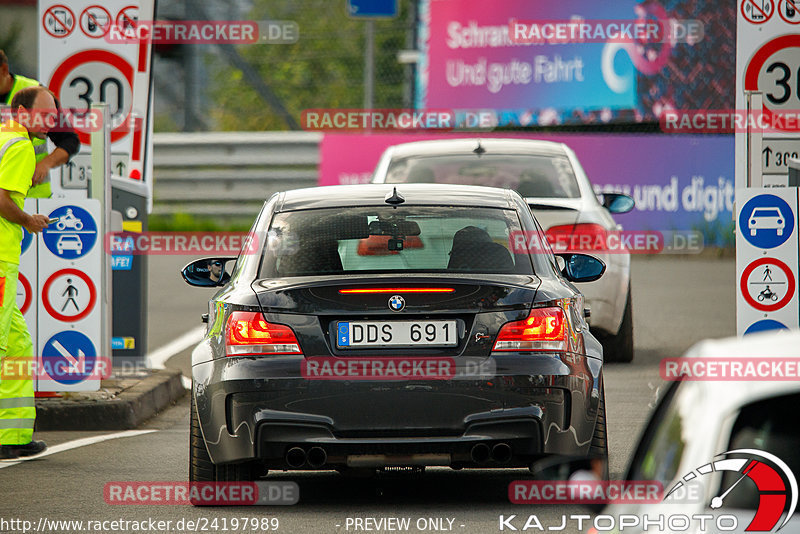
x,y
324,69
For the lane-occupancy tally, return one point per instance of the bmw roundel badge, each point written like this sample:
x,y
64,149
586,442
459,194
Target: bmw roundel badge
x,y
397,303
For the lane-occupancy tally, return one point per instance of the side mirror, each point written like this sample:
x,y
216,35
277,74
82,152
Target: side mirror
x,y
207,272
618,202
581,267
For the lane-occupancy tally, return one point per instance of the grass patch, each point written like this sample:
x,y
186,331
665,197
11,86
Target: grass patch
x,y
185,222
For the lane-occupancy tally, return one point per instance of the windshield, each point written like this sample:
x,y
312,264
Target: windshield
x,y
388,240
661,449
528,175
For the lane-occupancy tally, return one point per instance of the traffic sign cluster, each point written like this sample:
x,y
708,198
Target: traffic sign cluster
x,y
767,259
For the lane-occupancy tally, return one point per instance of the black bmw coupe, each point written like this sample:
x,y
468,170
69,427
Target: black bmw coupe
x,y
375,326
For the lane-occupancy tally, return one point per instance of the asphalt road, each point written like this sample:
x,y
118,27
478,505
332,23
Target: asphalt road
x,y
677,302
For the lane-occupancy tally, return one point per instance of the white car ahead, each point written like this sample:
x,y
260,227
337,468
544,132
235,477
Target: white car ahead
x,y
550,178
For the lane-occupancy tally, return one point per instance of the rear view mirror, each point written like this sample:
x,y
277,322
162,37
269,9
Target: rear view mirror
x,y
618,202
394,228
581,267
207,272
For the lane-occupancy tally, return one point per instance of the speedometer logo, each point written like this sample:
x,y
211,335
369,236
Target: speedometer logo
x,y
771,484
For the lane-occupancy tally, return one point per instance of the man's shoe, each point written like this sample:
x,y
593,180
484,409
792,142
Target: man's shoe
x,y
7,453
29,449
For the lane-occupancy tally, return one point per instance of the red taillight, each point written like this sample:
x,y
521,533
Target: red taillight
x,y
583,237
544,329
397,290
248,334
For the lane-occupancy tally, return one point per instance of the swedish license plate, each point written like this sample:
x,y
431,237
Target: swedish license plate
x,y
369,334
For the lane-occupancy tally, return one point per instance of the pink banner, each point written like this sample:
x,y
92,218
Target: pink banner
x,y
680,182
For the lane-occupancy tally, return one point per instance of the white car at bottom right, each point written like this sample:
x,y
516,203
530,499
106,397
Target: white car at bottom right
x,y
687,444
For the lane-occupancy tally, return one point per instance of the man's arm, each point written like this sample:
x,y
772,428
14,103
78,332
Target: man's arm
x,y
67,145
56,158
11,212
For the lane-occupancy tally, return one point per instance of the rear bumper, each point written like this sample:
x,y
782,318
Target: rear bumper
x,y
522,436
260,409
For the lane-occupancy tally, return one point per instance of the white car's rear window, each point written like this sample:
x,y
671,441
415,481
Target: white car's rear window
x,y
530,176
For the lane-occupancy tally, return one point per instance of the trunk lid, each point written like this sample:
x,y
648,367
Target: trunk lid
x,y
458,307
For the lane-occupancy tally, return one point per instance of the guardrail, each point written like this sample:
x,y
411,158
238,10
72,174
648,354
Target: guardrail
x,y
230,174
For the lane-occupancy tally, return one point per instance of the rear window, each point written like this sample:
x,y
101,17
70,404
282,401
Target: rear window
x,y
388,240
528,175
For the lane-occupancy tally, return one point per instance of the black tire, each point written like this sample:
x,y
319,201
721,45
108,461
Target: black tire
x,y
202,469
599,446
619,348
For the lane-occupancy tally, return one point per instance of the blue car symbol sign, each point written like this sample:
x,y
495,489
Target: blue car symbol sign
x,y
397,303
766,221
73,235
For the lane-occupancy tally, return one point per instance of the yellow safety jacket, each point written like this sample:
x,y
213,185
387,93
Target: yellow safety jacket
x,y
17,405
15,176
42,190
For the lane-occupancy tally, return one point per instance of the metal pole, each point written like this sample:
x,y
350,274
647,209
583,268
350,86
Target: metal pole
x,y
369,65
100,188
755,140
191,81
411,44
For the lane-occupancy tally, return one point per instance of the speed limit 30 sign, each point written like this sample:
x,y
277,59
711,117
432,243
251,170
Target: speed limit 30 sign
x,y
83,68
774,70
96,76
767,64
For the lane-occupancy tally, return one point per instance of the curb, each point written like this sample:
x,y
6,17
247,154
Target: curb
x,y
125,411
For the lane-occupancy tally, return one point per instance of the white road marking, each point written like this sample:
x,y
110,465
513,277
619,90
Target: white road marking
x,y
157,358
74,444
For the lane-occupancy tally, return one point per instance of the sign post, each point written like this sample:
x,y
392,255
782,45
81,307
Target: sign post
x,y
767,84
100,189
369,10
68,269
82,67
69,321
767,246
